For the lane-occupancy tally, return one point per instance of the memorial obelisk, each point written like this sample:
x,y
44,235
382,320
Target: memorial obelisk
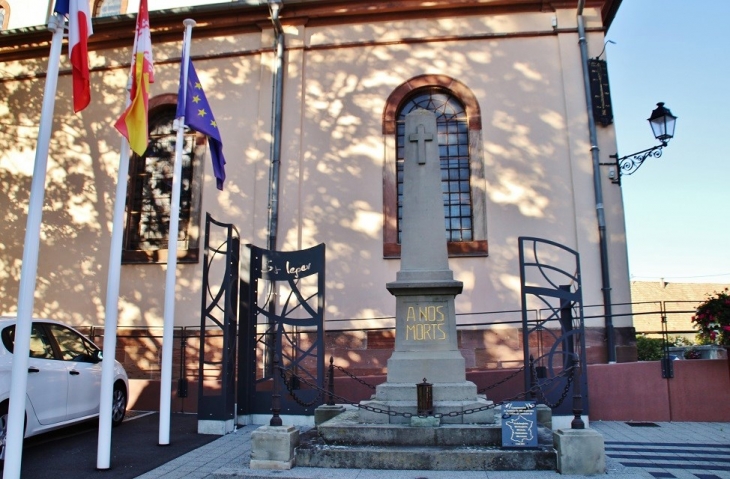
x,y
426,344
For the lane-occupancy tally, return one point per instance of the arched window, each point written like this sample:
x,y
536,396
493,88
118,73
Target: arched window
x,y
462,171
453,141
149,191
4,14
108,8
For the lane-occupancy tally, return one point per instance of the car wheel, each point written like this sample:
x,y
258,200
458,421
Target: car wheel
x,y
119,404
4,428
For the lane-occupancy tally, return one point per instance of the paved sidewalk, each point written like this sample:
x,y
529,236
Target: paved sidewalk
x,y
643,450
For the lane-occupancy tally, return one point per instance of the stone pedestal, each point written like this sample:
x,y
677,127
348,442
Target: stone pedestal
x,y
272,447
580,451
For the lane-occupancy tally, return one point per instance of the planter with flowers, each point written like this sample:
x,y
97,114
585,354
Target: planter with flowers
x,y
712,319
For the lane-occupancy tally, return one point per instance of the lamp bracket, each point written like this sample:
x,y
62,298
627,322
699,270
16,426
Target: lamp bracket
x,y
627,165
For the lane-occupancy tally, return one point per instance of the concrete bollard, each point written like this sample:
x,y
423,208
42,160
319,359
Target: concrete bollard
x,y
272,447
580,451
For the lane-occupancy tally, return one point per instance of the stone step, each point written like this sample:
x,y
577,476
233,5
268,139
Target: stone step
x,y
347,429
314,452
345,442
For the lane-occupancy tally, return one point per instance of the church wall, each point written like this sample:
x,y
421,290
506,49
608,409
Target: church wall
x,y
523,95
535,151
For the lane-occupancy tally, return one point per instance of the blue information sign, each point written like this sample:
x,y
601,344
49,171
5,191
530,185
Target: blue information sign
x,y
519,424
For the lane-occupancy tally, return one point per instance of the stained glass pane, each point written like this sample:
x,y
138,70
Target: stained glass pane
x,y
151,190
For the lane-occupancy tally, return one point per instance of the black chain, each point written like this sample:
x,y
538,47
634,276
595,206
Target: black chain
x,y
318,397
354,377
437,415
502,381
538,388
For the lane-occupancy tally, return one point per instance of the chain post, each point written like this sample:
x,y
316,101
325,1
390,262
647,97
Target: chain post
x,y
533,379
331,383
276,396
577,422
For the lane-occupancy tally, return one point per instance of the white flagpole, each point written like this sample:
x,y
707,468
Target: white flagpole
x,y
169,318
29,270
103,452
111,317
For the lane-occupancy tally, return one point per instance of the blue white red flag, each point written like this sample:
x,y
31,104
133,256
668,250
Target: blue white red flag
x,y
79,30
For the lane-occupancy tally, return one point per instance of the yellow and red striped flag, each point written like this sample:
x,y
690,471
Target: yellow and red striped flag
x,y
133,122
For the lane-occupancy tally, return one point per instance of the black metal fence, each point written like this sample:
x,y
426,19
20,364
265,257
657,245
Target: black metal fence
x,y
139,347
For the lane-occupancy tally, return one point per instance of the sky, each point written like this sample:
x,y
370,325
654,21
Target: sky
x,y
678,206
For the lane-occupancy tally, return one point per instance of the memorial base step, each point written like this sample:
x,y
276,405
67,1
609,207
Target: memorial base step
x,y
342,442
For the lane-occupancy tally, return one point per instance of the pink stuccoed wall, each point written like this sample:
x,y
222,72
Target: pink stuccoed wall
x,y
699,391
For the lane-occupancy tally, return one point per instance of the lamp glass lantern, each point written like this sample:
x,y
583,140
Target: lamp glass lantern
x,y
662,123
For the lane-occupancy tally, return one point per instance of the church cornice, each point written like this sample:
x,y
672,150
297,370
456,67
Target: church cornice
x,y
242,17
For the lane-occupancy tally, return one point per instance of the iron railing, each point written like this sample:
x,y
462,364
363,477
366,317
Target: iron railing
x,y
139,347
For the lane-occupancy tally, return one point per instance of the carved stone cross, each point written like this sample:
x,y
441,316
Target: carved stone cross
x,y
421,137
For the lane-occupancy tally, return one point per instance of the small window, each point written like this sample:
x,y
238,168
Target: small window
x,y
4,14
108,8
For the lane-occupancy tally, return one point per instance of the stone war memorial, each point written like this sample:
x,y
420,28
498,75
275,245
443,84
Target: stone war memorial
x,y
455,428
425,340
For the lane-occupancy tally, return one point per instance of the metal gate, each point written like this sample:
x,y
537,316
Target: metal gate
x,y
553,341
218,322
282,342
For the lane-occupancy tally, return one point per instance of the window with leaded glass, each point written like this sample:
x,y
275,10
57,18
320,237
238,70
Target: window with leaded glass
x,y
108,8
4,14
453,141
150,194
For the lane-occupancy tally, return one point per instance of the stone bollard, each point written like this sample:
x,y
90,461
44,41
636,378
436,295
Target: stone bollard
x,y
272,447
580,451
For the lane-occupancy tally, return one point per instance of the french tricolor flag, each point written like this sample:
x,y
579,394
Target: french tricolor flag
x,y
79,30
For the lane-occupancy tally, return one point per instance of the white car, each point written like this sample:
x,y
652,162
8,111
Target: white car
x,y
64,378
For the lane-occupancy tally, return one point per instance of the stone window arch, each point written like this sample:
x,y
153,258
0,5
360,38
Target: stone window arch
x,y
108,8
4,14
462,166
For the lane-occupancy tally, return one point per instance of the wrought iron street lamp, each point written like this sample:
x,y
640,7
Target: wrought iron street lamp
x,y
662,125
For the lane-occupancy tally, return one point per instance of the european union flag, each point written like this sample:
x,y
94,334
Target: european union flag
x,y
199,117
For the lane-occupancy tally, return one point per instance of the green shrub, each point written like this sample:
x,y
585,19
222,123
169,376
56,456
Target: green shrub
x,y
649,349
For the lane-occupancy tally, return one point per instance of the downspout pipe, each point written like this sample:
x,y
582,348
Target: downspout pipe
x,y
276,112
595,153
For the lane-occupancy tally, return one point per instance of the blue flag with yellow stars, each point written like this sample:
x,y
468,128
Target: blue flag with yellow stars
x,y
199,117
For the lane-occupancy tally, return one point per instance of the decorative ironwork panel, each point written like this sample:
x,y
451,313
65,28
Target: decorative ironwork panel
x,y
284,350
550,283
218,322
